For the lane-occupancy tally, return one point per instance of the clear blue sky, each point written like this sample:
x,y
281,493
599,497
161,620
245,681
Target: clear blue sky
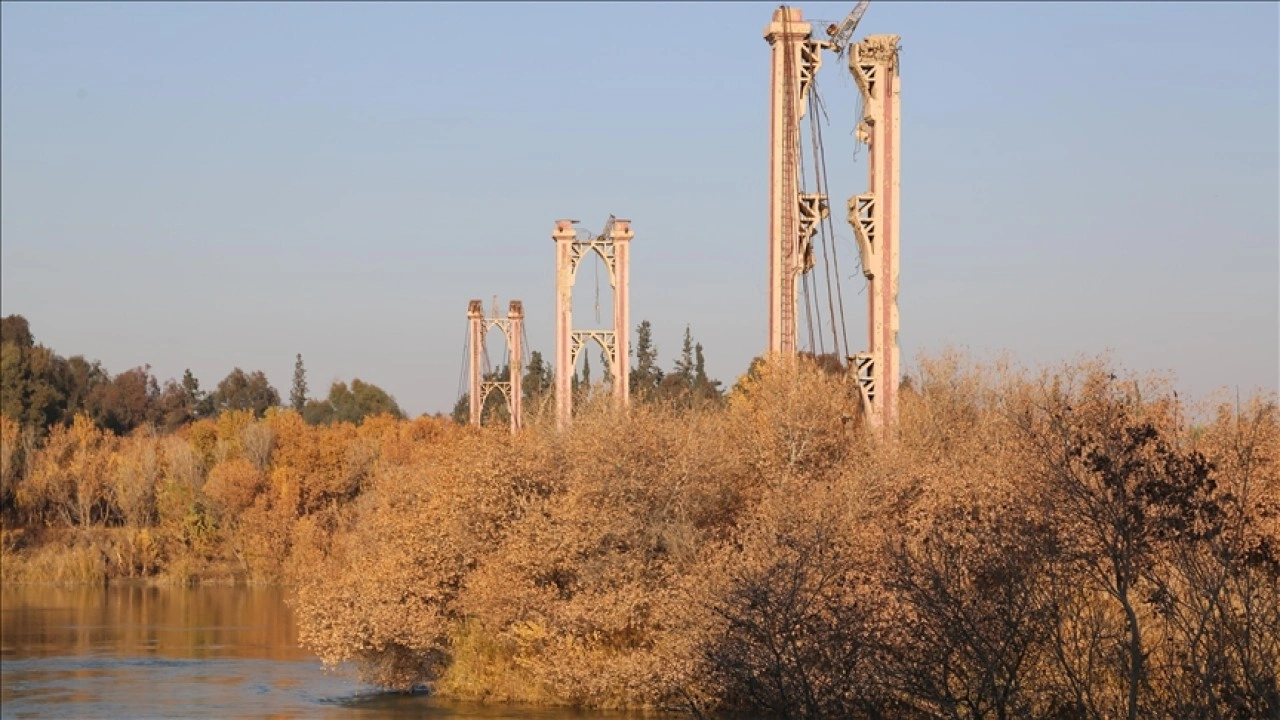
x,y
216,185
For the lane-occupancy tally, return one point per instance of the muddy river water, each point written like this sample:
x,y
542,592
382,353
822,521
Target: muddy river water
x,y
206,652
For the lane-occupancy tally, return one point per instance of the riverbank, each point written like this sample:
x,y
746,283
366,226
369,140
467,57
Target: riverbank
x,y
104,556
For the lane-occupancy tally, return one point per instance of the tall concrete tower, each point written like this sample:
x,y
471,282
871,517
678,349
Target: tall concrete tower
x,y
793,217
874,217
512,326
614,248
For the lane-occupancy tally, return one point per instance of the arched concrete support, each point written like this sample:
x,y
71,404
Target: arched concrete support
x,y
512,327
614,248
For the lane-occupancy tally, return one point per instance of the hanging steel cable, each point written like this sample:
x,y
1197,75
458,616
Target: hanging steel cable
x,y
525,357
462,376
815,133
820,160
805,281
485,368
808,307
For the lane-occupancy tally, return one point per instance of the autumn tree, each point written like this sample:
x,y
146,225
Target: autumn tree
x,y
829,362
796,635
1217,592
129,401
70,476
15,329
975,611
1122,488
172,411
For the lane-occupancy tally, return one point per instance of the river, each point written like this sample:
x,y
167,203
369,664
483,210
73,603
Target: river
x,y
204,652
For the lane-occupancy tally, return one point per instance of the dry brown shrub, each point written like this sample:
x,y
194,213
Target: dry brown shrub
x,y
791,608
403,440
291,437
279,544
773,556
136,473
583,591
387,595
793,418
322,459
256,442
203,436
69,477
233,486
181,463
231,425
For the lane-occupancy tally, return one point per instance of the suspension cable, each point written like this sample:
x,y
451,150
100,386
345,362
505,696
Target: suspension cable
x,y
462,376
820,163
814,131
805,280
525,354
596,264
809,285
487,368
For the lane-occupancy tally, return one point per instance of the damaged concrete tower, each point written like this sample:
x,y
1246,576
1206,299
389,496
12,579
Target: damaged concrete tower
x,y
793,217
874,217
512,327
613,246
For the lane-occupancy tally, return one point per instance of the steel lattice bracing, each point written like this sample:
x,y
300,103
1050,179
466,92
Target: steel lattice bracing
x,y
613,246
512,327
874,217
793,217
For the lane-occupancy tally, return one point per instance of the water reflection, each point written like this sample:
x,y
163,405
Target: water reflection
x,y
224,652
203,623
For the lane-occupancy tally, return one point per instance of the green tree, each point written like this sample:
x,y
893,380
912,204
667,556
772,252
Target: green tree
x,y
677,386
298,394
494,408
245,391
32,390
688,384
684,367
646,376
200,402
538,382
351,404
704,388
80,379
